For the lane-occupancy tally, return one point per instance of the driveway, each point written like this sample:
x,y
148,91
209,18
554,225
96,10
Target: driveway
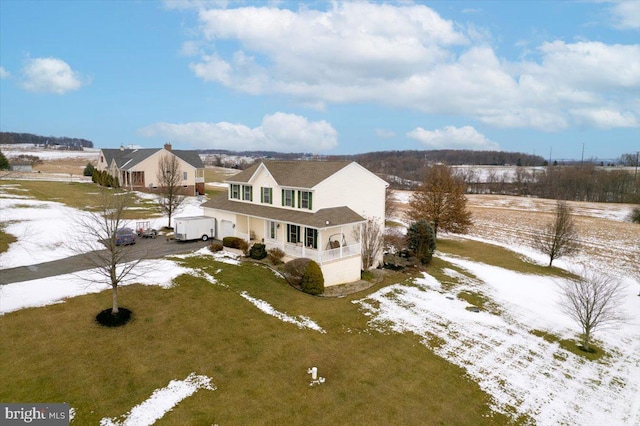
x,y
145,248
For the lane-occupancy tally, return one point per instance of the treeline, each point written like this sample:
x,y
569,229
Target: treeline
x,y
9,138
405,168
584,182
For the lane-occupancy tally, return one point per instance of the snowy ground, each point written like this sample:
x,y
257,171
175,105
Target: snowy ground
x,y
523,373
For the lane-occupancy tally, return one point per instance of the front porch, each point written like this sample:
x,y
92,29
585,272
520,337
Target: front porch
x,y
321,245
319,256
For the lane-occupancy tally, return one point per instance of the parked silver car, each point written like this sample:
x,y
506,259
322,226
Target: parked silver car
x,y
125,236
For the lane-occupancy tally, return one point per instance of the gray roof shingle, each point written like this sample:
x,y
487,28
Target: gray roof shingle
x,y
128,158
296,174
324,218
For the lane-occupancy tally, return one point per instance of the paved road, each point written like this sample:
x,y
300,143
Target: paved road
x,y
143,249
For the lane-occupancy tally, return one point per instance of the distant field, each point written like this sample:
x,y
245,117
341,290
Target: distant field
x,y
607,237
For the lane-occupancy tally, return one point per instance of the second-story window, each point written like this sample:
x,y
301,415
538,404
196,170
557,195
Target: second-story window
x,y
304,200
234,191
288,197
266,196
247,192
185,175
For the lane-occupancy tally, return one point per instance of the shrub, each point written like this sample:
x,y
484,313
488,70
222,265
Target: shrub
x,y
294,270
635,215
275,255
4,163
244,246
88,170
421,240
258,251
215,247
312,279
232,242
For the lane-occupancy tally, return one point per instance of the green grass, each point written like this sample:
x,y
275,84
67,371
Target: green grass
x,y
77,195
5,240
571,345
257,362
496,256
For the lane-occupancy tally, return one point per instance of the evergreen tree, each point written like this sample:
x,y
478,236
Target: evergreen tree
x,y
4,163
421,240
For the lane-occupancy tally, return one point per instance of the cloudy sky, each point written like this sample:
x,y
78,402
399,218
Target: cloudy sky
x,y
550,78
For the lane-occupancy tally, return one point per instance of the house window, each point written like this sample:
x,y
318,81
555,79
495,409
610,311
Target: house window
x,y
185,175
235,191
247,192
304,200
311,238
293,234
273,227
288,197
266,196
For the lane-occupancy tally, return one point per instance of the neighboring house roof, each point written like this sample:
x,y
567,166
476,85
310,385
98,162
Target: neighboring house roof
x,y
128,158
324,218
296,174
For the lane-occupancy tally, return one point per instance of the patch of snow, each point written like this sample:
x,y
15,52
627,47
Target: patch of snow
x,y
50,290
518,369
161,402
222,256
301,321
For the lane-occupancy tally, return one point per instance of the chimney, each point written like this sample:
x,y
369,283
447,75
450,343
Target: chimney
x,y
167,146
121,147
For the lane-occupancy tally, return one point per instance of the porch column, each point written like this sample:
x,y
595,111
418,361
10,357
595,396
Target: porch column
x,y
248,229
341,235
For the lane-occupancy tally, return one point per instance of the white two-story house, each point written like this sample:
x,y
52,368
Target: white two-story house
x,y
137,169
311,209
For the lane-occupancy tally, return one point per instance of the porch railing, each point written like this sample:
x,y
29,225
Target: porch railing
x,y
319,256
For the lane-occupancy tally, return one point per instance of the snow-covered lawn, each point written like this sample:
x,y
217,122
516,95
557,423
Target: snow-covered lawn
x,y
523,373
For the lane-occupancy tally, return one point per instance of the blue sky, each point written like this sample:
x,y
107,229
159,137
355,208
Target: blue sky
x,y
326,77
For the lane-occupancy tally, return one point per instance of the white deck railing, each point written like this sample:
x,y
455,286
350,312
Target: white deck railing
x,y
319,256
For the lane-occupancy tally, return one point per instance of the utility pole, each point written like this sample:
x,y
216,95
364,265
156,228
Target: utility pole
x,y
582,157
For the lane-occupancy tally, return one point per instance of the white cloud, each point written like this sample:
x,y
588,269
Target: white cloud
x,y
385,134
452,137
278,132
50,75
4,73
406,55
605,118
626,15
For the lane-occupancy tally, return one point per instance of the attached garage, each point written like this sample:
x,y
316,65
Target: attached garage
x,y
226,229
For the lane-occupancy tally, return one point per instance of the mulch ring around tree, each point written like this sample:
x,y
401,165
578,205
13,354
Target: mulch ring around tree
x,y
107,319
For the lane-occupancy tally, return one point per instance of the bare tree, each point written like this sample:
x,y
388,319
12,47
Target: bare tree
x,y
440,201
371,238
99,243
171,193
559,238
594,302
390,206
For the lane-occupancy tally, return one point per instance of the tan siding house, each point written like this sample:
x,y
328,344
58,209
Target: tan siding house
x,y
309,209
136,169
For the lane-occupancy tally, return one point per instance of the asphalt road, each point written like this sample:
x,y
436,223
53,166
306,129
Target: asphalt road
x,y
145,248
